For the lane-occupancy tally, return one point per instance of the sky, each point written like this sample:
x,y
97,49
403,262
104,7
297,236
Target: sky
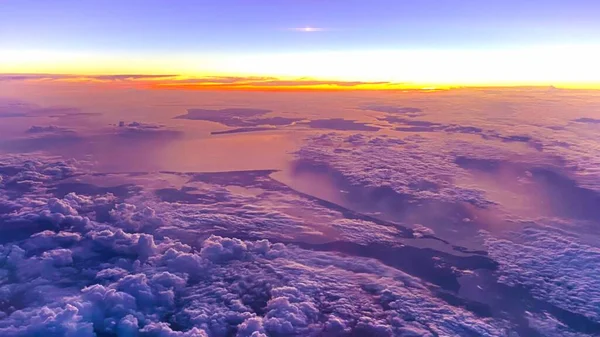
x,y
450,42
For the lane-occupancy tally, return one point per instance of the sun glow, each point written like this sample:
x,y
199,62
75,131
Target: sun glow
x,y
573,66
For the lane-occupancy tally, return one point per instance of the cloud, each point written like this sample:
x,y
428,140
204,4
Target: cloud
x,y
230,117
587,120
553,263
408,111
139,130
47,129
169,282
340,124
271,84
241,130
73,77
405,167
127,281
210,82
244,119
249,120
413,125
160,268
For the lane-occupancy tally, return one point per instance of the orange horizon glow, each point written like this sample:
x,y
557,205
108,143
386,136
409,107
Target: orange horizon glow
x,y
561,66
269,84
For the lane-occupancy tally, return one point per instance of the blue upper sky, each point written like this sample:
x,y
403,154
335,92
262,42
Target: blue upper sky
x,y
252,25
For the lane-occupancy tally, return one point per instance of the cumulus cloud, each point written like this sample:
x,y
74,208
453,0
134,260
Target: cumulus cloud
x,y
83,278
92,263
47,129
407,166
340,124
250,119
238,117
141,130
553,263
241,130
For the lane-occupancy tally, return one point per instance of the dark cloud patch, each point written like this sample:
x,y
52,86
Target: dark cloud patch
x,y
522,139
412,122
480,164
248,179
8,206
514,139
267,83
129,77
141,130
340,124
4,113
416,129
241,130
587,120
269,123
188,196
244,119
275,121
411,125
229,117
55,77
171,80
407,111
47,129
463,129
9,170
19,77
140,126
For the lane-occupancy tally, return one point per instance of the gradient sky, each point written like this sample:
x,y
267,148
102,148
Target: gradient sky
x,y
429,41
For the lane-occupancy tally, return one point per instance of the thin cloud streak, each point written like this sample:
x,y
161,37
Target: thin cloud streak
x,y
207,83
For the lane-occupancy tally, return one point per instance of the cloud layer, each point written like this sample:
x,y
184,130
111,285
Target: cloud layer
x,y
67,273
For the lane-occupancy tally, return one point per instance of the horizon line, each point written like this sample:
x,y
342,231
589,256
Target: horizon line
x,y
169,81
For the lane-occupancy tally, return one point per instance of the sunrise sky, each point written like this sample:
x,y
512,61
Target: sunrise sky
x,y
410,43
